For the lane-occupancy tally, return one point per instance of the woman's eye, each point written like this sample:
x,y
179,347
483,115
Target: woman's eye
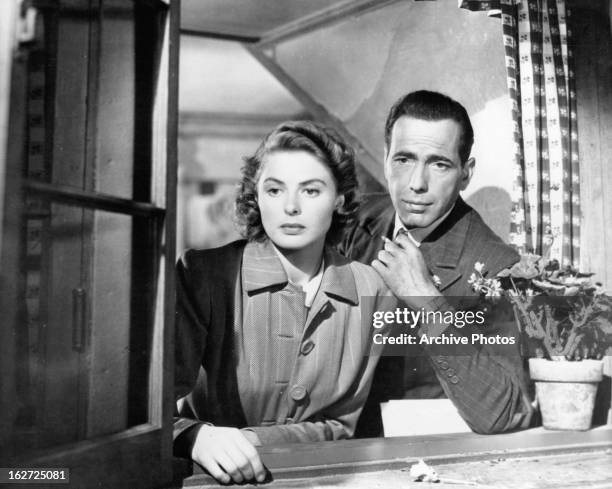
x,y
273,192
312,192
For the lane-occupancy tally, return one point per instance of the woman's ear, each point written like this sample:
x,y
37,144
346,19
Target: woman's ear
x,y
339,202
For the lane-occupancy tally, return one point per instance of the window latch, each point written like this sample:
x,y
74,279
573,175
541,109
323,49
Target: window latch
x,y
78,319
26,25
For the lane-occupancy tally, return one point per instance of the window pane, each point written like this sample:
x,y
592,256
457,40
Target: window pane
x,y
116,101
84,332
129,56
82,53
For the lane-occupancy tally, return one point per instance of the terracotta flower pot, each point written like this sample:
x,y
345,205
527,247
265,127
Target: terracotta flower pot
x,y
566,391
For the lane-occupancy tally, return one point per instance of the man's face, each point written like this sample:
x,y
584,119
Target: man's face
x,y
423,169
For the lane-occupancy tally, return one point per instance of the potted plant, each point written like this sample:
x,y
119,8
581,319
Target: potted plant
x,y
565,323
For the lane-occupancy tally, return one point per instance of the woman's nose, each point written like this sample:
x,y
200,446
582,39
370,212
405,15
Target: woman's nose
x,y
292,206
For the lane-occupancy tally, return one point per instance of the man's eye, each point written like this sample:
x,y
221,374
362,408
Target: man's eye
x,y
441,165
402,160
312,192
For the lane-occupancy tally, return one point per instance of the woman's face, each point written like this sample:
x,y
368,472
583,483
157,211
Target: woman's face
x,y
297,196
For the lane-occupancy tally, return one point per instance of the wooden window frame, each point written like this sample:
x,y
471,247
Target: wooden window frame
x,y
140,456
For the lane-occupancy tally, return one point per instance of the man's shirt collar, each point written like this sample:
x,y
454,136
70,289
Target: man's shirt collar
x,y
398,227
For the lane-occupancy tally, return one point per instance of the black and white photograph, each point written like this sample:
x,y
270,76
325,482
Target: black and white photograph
x,y
306,244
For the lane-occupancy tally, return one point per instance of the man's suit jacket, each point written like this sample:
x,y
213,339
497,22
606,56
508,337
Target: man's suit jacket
x,y
490,392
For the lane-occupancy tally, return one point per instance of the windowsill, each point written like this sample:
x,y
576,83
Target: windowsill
x,y
307,460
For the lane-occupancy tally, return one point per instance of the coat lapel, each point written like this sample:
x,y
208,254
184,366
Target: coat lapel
x,y
443,248
381,224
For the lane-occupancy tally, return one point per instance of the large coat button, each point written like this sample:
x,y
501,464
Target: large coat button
x,y
298,393
307,347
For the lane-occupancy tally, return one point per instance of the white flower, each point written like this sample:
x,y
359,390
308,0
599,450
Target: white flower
x,y
495,288
599,290
436,280
472,280
478,266
421,472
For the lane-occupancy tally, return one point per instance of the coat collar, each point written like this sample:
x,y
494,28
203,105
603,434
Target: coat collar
x,y
379,222
444,245
262,269
338,279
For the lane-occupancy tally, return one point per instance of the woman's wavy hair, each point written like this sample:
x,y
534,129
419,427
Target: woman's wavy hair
x,y
321,142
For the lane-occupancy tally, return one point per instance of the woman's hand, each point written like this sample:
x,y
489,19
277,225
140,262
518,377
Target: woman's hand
x,y
227,455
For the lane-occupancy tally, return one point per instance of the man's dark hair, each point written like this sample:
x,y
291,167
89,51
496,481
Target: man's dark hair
x,y
432,106
321,142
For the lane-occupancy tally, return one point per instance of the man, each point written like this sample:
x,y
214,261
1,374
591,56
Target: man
x,y
424,229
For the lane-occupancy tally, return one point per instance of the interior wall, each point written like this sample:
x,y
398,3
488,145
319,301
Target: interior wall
x,y
593,67
356,69
228,103
211,155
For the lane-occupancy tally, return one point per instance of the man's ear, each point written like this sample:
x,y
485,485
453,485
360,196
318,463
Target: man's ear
x,y
385,155
468,172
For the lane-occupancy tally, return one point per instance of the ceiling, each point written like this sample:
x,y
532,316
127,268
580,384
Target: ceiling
x,y
218,75
256,19
222,77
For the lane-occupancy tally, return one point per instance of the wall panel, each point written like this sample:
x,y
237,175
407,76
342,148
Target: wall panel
x,y
357,68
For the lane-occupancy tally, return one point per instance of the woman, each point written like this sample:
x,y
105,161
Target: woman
x,y
270,343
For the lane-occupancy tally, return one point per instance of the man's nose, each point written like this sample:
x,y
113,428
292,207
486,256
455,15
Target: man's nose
x,y
418,178
292,205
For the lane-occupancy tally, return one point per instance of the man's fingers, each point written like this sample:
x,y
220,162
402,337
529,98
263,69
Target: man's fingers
x,y
384,257
380,267
391,246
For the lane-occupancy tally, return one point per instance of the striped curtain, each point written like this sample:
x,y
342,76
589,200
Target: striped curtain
x,y
546,197
546,193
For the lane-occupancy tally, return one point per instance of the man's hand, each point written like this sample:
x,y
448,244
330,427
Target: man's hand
x,y
403,268
227,455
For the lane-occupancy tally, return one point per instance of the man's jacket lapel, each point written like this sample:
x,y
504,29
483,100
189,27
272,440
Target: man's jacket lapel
x,y
443,248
